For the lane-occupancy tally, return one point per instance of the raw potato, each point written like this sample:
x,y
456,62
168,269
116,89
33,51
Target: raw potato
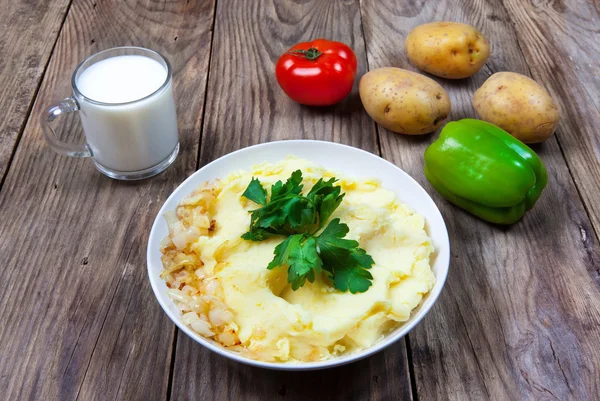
x,y
404,101
447,49
518,105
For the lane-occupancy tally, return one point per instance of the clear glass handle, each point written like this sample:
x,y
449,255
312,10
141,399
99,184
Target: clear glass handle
x,y
68,105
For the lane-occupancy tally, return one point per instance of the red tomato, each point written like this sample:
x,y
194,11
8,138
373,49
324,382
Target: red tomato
x,y
317,73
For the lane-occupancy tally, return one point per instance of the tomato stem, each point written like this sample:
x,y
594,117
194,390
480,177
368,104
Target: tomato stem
x,y
310,54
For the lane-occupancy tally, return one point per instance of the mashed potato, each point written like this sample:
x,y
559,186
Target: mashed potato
x,y
225,292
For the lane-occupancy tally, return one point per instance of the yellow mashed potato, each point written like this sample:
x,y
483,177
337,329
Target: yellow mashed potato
x,y
225,292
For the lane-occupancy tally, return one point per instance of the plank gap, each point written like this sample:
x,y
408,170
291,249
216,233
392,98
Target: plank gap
x,y
172,367
33,98
210,54
411,369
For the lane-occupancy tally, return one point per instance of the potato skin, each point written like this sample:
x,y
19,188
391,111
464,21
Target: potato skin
x,y
447,49
404,101
518,105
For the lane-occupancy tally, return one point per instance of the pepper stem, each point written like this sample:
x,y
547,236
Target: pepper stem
x,y
310,54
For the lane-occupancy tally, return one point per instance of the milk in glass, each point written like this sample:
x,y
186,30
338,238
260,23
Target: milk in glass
x,y
130,124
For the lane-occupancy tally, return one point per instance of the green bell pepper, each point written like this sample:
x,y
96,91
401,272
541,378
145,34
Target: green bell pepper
x,y
484,170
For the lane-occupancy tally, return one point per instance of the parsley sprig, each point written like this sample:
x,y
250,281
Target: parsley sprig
x,y
300,217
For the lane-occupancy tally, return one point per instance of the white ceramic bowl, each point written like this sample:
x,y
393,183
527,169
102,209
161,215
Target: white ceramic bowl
x,y
351,162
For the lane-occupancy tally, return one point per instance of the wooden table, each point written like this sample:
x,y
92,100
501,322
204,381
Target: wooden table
x,y
519,317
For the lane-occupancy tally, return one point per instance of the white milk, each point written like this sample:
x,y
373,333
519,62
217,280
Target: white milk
x,y
133,136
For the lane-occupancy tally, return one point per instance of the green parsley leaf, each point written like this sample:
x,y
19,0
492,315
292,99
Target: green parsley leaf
x,y
293,185
351,278
299,214
282,251
299,253
258,234
322,187
274,219
328,206
286,212
362,258
255,192
299,217
344,262
331,239
303,262
326,198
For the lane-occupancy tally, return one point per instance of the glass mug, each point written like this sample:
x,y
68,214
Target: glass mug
x,y
127,140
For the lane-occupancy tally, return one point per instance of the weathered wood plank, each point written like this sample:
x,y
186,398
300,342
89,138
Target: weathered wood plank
x,y
28,33
78,317
203,375
561,42
520,315
246,106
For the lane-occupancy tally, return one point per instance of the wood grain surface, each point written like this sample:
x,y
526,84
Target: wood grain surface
x,y
245,106
27,37
244,103
79,320
570,29
519,317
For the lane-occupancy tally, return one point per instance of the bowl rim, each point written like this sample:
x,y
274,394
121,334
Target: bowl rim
x,y
299,366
